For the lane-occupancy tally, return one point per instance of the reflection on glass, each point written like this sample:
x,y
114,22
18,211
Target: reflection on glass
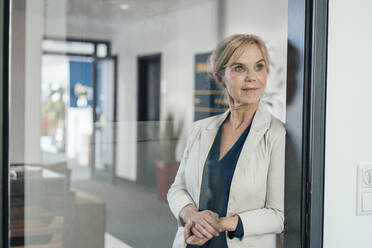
x,y
103,95
54,98
104,110
102,50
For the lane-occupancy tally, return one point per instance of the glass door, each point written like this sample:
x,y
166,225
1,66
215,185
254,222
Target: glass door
x,y
104,118
135,132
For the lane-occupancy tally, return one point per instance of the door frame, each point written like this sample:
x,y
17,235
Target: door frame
x,y
4,120
305,122
94,57
143,169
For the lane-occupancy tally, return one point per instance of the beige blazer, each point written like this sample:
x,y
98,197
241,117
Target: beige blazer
x,y
257,187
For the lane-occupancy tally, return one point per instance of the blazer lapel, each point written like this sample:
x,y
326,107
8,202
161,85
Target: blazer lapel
x,y
260,123
207,137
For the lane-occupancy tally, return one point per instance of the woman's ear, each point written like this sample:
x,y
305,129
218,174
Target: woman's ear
x,y
215,76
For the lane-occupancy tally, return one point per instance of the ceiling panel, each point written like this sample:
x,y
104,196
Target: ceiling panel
x,y
113,9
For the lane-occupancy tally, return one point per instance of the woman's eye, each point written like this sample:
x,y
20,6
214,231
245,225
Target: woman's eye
x,y
259,67
238,68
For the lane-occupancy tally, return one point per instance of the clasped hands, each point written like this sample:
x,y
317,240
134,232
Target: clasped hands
x,y
201,226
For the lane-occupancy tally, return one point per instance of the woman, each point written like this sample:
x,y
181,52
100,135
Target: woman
x,y
229,189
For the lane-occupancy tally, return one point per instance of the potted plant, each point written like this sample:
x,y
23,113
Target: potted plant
x,y
53,116
166,165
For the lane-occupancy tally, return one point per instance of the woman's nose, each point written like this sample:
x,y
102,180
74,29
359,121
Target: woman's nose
x,y
250,76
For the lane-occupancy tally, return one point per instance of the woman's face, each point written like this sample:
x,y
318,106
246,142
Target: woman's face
x,y
245,78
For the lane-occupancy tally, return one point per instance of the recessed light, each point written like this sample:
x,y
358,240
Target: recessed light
x,y
124,6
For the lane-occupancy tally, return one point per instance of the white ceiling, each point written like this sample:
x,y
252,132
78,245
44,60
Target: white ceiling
x,y
110,9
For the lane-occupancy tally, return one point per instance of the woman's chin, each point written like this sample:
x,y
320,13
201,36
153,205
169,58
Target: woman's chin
x,y
251,101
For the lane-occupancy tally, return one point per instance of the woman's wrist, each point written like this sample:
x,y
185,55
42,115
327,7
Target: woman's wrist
x,y
187,211
229,223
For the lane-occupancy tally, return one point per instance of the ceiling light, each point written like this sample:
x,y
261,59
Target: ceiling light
x,y
124,6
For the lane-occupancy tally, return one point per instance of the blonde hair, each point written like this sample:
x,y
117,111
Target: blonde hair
x,y
231,48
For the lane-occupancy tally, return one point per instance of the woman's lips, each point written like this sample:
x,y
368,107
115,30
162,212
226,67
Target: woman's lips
x,y
249,89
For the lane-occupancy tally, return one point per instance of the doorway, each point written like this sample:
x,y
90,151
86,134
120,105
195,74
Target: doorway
x,y
84,74
148,116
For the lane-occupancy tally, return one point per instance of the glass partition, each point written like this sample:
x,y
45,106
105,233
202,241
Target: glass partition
x,y
103,95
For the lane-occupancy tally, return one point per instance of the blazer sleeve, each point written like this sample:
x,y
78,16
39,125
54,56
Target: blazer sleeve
x,y
270,219
178,196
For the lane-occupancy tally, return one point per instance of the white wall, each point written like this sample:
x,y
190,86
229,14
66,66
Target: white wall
x,y
55,18
348,121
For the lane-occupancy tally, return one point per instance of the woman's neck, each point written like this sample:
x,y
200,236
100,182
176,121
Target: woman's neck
x,y
241,114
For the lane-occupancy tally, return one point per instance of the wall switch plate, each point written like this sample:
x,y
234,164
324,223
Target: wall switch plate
x,y
364,189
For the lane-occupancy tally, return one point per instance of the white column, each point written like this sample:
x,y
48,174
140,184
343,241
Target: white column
x,y
33,53
17,83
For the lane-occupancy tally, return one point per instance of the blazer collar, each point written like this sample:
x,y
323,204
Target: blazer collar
x,y
261,119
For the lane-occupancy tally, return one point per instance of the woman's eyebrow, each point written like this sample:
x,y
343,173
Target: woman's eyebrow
x,y
239,63
236,63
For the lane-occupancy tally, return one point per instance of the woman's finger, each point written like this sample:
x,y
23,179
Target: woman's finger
x,y
203,231
201,242
187,232
213,214
197,233
209,227
193,240
213,223
190,240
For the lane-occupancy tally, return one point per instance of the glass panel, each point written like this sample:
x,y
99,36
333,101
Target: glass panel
x,y
96,140
104,116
